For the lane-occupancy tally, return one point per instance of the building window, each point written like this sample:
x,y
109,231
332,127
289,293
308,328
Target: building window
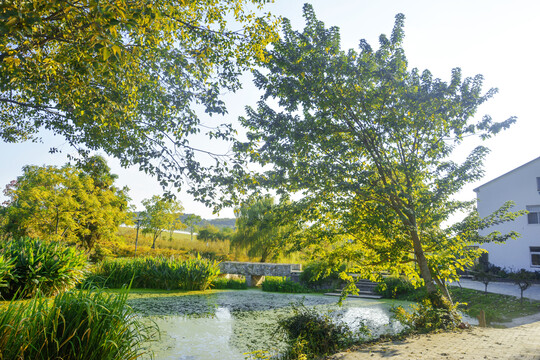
x,y
538,184
535,256
533,217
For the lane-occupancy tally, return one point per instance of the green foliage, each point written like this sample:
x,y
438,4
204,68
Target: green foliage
x,y
160,214
213,233
258,228
497,307
523,279
191,222
235,284
311,335
77,325
399,288
368,143
124,76
282,284
425,316
155,273
77,204
6,270
47,267
317,274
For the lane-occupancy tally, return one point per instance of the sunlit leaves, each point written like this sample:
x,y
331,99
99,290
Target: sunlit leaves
x,y
367,142
79,206
160,214
125,76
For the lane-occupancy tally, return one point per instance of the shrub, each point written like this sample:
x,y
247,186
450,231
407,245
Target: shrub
x,y
424,317
281,284
79,325
317,275
399,288
310,334
155,273
49,267
222,283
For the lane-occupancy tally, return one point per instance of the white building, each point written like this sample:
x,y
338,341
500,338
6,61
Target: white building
x,y
522,186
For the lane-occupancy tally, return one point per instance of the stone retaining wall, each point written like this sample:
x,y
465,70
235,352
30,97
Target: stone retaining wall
x,y
255,272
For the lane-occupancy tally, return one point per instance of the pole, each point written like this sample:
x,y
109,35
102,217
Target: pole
x,y
137,236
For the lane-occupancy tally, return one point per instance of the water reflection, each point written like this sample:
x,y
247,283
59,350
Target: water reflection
x,y
227,325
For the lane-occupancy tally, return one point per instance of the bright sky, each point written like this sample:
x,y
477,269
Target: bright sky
x,y
496,38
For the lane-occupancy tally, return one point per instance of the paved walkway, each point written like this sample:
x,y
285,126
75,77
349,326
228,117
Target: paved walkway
x,y
519,342
501,288
522,342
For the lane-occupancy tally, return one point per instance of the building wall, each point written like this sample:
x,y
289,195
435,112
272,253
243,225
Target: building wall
x,y
520,186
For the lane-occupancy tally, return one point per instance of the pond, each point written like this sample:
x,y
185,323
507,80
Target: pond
x,y
230,324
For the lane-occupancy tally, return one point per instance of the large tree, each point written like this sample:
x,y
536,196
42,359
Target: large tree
x,y
257,228
126,76
368,143
79,205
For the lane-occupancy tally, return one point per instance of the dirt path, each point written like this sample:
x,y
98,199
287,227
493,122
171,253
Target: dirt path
x,y
521,342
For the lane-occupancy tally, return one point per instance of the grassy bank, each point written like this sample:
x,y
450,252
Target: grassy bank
x,y
497,307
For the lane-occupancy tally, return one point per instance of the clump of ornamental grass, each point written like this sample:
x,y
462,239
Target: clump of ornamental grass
x,y
28,265
155,273
76,325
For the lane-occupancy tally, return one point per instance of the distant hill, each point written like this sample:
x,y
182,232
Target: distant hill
x,y
220,223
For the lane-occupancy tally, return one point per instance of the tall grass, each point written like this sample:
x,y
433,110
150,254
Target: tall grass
x,y
76,325
180,244
155,273
30,265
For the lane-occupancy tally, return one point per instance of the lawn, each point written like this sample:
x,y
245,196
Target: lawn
x,y
497,307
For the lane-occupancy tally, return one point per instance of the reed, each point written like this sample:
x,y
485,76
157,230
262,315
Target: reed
x,y
155,273
76,325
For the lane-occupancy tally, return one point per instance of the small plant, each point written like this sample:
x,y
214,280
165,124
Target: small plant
x,y
310,334
76,325
282,284
523,279
49,267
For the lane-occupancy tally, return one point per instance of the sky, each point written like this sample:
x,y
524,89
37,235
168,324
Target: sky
x,y
495,38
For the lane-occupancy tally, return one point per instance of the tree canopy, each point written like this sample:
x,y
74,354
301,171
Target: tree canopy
x,y
161,213
126,76
368,143
258,229
79,205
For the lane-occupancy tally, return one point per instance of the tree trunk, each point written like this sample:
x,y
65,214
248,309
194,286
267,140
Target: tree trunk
x,y
434,296
425,273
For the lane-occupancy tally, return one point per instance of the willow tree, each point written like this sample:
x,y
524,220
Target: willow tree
x,y
368,143
258,228
125,76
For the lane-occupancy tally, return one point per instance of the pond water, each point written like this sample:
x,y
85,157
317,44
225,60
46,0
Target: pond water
x,y
229,325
